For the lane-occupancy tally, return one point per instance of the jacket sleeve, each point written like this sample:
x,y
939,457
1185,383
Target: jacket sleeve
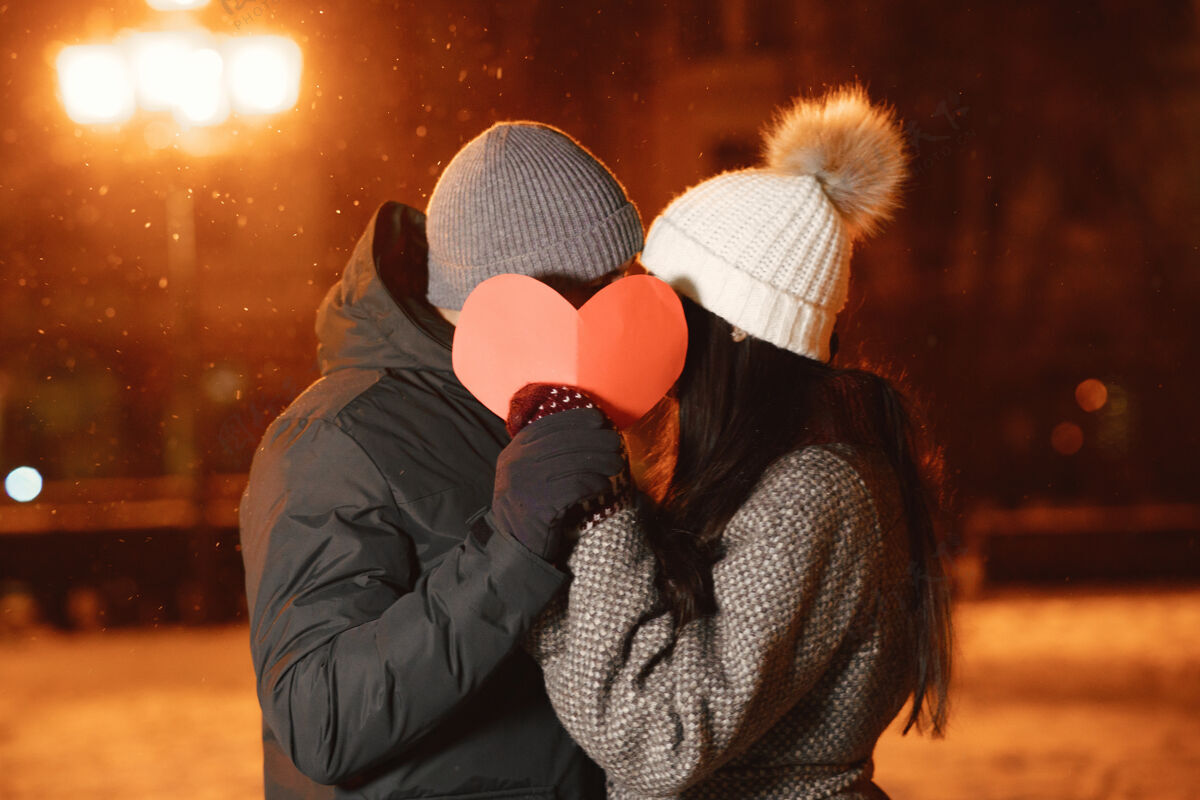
x,y
658,709
358,655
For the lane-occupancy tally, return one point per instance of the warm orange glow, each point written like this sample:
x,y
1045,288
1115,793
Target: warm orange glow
x,y
196,76
176,5
263,73
160,64
95,84
201,99
1091,395
1066,438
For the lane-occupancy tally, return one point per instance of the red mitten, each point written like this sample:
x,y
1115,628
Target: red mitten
x,y
537,400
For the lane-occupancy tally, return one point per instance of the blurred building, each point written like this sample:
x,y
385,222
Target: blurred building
x,y
1046,240
1048,236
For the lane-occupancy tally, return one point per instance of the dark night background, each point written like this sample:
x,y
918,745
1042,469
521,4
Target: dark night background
x,y
1049,236
1046,262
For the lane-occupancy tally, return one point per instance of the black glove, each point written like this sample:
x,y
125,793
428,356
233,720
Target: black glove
x,y
549,468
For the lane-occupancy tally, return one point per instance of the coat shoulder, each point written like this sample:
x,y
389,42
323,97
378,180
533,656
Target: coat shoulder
x,y
825,472
328,396
809,488
322,402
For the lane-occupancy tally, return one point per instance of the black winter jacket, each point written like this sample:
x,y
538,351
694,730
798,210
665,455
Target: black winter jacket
x,y
382,632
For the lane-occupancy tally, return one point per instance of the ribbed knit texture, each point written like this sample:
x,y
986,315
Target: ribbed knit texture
x,y
525,198
783,692
763,250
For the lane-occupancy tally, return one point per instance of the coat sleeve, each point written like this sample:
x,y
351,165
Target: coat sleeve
x,y
661,709
357,655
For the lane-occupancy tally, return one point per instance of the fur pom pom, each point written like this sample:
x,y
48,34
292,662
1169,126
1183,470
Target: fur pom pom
x,y
854,149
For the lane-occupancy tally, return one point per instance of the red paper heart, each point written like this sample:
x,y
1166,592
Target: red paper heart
x,y
625,347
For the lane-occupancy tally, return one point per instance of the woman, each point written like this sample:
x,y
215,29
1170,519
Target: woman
x,y
752,633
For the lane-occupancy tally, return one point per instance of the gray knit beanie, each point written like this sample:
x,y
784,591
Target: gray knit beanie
x,y
526,198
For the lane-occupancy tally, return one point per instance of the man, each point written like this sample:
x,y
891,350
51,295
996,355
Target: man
x,y
383,616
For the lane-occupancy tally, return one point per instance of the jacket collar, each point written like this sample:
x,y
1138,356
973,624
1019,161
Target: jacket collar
x,y
360,324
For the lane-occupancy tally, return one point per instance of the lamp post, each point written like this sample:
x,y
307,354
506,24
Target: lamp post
x,y
198,79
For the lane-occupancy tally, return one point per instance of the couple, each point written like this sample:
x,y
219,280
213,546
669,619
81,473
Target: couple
x,y
424,624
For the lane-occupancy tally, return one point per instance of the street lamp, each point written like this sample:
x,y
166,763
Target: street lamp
x,y
264,73
95,84
199,78
176,5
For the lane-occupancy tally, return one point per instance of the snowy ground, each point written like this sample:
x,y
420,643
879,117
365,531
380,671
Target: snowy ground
x,y
1061,696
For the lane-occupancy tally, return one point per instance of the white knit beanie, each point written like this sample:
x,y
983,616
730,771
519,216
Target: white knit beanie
x,y
768,249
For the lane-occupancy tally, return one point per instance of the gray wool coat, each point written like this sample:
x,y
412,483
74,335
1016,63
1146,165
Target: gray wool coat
x,y
780,694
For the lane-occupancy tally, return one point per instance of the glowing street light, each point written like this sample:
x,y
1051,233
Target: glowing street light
x,y
176,5
198,77
264,73
159,63
202,99
95,83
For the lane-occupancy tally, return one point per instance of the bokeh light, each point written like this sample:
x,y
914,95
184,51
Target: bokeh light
x,y
95,84
201,99
1066,438
264,73
1091,395
223,384
23,484
160,62
196,76
176,5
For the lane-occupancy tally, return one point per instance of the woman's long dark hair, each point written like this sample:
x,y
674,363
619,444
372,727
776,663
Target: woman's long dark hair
x,y
742,405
